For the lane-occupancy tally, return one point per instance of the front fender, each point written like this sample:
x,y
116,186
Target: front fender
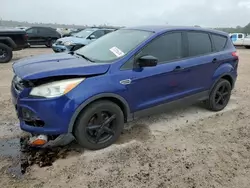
x,y
94,98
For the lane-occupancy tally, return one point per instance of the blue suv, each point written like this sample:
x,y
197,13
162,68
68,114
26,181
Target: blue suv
x,y
79,39
129,73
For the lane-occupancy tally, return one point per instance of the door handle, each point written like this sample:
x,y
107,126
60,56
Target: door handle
x,y
214,60
178,68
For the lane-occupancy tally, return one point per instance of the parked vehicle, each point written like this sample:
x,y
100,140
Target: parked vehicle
x,y
240,39
80,39
127,74
71,33
11,40
42,36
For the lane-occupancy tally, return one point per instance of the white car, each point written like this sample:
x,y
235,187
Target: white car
x,y
240,39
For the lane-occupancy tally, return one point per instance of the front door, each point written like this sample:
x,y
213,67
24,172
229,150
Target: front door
x,y
152,86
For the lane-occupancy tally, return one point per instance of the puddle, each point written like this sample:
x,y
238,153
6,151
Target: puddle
x,y
10,148
23,156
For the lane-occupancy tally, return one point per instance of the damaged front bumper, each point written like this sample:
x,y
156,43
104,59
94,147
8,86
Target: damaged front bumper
x,y
45,141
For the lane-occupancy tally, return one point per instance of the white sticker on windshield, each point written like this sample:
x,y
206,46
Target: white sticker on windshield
x,y
116,51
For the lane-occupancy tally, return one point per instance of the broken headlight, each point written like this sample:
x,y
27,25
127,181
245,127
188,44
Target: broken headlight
x,y
56,88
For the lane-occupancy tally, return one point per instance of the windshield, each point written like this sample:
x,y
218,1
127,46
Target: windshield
x,y
84,33
114,45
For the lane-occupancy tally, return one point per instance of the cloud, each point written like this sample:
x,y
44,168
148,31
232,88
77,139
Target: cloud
x,y
137,12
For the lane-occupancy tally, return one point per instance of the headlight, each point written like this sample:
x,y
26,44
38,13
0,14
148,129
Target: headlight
x,y
55,89
68,43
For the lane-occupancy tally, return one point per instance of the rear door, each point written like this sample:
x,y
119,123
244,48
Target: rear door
x,y
201,60
43,35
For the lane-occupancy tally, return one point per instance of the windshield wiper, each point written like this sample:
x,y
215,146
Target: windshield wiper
x,y
83,56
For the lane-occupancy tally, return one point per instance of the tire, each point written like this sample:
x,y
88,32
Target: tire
x,y
87,125
5,53
247,47
215,101
50,42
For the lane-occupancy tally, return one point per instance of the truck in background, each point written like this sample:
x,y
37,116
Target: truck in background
x,y
240,39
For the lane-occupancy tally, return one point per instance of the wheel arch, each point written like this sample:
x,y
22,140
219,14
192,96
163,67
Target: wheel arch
x,y
226,76
117,99
8,41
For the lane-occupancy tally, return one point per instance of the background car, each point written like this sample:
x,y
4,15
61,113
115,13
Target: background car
x,y
80,39
71,33
42,36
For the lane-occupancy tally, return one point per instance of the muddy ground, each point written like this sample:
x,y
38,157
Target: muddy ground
x,y
186,148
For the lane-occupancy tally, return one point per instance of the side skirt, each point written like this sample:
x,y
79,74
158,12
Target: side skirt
x,y
186,101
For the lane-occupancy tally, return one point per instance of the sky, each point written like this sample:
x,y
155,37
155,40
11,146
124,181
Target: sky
x,y
206,13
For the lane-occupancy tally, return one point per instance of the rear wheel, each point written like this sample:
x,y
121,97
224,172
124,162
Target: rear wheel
x,y
99,125
219,96
50,42
5,53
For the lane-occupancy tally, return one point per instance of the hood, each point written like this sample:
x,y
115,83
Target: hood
x,y
60,64
73,39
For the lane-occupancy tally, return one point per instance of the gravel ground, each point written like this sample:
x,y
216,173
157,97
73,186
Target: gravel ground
x,y
186,148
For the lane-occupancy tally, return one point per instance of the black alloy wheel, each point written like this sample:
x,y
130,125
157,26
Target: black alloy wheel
x,y
220,95
100,128
99,125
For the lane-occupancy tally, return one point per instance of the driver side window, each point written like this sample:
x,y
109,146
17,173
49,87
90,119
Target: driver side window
x,y
32,30
165,48
98,33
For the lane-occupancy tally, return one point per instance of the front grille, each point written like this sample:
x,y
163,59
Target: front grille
x,y
17,83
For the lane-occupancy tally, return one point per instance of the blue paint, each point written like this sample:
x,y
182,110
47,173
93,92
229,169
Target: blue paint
x,y
150,86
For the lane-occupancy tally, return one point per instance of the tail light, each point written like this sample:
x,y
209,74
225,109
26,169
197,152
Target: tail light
x,y
235,54
25,36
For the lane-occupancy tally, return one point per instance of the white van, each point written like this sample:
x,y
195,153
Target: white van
x,y
240,39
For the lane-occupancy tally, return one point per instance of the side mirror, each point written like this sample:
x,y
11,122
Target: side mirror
x,y
91,37
147,61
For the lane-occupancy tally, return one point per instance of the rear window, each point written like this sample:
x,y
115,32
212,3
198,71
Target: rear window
x,y
219,42
199,43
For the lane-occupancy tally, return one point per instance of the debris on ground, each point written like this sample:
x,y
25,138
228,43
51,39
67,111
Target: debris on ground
x,y
41,156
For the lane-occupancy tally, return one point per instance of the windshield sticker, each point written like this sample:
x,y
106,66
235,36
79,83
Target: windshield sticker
x,y
116,51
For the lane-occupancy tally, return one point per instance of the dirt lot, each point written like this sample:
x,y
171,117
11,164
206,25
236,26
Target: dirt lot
x,y
187,148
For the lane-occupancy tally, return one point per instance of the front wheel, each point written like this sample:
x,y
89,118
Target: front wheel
x,y
99,125
219,96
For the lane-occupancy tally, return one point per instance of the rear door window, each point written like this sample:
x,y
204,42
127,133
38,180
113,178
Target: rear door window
x,y
43,31
199,43
219,42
